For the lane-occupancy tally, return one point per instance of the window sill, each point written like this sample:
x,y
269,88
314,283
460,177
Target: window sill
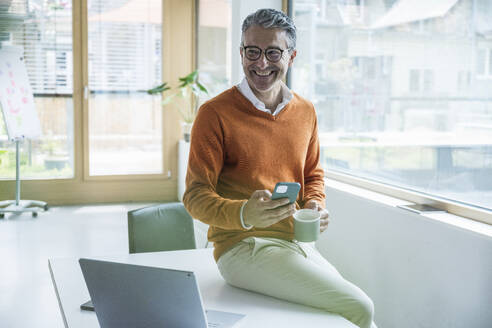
x,y
444,217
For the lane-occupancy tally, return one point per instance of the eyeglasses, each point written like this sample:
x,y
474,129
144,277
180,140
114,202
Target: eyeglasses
x,y
272,54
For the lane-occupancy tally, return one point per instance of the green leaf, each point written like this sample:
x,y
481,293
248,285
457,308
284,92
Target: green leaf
x,y
158,89
188,79
193,75
186,84
202,88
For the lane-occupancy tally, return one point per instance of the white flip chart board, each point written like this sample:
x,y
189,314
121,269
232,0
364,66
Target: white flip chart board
x,y
16,99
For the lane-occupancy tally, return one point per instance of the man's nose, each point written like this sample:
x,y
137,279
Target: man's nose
x,y
262,62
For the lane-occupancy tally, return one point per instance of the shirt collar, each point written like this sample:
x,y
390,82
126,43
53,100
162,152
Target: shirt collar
x,y
245,89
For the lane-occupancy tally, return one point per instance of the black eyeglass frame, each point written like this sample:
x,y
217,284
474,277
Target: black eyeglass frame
x,y
265,51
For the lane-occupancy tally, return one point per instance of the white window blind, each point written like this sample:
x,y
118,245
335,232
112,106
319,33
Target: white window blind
x,y
125,45
12,14
124,60
44,30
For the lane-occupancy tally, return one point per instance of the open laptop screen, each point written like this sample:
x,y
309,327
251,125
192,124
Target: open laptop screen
x,y
126,295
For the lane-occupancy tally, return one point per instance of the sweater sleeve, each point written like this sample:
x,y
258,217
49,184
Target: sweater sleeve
x,y
205,163
314,185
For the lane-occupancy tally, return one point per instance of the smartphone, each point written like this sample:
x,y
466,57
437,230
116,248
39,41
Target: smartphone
x,y
286,190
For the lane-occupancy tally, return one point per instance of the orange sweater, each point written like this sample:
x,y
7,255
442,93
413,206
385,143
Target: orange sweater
x,y
237,149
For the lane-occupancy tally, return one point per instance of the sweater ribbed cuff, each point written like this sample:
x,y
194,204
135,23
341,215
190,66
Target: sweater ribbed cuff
x,y
245,226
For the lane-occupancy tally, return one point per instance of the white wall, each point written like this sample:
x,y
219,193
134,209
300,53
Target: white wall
x,y
419,272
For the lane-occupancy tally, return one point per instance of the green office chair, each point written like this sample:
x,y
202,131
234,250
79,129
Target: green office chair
x,y
159,228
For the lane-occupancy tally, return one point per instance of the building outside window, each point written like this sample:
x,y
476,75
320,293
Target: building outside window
x,y
389,109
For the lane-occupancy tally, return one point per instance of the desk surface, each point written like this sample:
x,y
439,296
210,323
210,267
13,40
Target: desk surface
x,y
260,310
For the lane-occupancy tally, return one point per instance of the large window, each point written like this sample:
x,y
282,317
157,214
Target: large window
x,y
90,63
124,59
125,123
403,94
44,31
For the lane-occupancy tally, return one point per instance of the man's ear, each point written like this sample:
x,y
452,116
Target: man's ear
x,y
241,52
292,56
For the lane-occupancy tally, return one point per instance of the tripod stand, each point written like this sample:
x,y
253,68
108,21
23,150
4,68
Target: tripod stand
x,y
18,205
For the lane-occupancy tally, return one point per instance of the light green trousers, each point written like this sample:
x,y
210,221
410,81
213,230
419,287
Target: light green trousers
x,y
295,272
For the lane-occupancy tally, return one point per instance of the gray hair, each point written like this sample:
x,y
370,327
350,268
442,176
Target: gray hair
x,y
271,18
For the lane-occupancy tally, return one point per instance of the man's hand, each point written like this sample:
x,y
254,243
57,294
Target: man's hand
x,y
324,219
261,211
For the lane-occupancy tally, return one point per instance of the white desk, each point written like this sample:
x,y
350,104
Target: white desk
x,y
260,310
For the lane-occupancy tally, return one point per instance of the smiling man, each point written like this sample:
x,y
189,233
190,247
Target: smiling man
x,y
243,142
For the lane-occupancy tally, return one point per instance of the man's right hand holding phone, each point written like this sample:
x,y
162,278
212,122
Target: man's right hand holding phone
x,y
261,211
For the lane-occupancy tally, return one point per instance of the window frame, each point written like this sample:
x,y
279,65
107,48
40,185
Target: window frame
x,y
178,59
453,207
487,64
166,56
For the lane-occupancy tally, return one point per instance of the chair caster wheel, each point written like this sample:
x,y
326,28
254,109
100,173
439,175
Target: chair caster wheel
x,y
34,214
2,215
45,207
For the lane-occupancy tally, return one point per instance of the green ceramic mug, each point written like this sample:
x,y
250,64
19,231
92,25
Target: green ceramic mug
x,y
306,225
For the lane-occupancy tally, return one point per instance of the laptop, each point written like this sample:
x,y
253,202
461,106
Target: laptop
x,y
127,295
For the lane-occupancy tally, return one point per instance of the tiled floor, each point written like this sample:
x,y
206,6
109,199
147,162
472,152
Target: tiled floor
x,y
27,297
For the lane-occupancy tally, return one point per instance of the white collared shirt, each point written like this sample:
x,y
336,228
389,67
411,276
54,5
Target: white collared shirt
x,y
245,89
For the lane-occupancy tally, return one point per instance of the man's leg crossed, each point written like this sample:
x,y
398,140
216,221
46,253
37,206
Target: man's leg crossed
x,y
284,270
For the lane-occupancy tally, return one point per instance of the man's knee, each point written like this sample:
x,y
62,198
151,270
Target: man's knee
x,y
366,306
355,306
362,311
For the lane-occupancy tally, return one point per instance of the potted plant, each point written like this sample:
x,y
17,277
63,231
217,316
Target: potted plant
x,y
188,85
